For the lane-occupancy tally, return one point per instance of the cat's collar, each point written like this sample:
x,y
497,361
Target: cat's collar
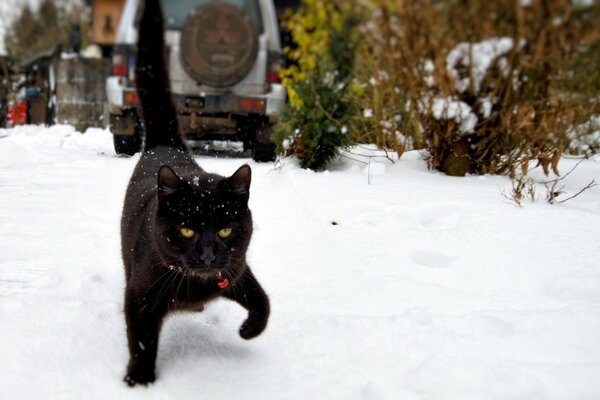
x,y
222,282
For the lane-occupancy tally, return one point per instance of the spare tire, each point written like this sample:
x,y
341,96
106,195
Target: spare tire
x,y
219,44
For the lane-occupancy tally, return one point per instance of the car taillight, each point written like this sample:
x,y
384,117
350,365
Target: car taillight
x,y
273,77
274,64
130,97
119,62
119,70
252,104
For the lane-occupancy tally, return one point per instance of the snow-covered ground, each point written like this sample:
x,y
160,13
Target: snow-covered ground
x,y
386,282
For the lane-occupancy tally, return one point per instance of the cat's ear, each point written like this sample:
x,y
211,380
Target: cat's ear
x,y
168,181
239,182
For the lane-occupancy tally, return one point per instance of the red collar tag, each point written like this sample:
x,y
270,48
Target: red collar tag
x,y
222,282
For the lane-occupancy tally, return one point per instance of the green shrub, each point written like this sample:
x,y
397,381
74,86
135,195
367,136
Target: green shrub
x,y
317,122
316,131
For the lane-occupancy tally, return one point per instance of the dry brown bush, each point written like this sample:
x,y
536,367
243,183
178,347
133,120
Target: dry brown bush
x,y
518,111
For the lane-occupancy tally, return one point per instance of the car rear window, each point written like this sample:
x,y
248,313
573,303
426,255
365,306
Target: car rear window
x,y
176,12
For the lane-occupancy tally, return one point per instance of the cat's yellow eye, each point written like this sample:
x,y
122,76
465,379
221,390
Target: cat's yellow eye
x,y
187,233
225,233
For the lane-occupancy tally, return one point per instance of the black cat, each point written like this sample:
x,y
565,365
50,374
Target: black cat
x,y
184,232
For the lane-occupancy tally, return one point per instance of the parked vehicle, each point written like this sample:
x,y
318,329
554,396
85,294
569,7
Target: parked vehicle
x,y
223,58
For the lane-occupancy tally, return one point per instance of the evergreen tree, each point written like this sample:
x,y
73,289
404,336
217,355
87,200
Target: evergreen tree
x,y
36,31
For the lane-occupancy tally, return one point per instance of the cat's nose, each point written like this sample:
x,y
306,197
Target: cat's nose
x,y
207,256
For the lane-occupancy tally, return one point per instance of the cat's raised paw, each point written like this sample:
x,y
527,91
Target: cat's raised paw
x,y
252,327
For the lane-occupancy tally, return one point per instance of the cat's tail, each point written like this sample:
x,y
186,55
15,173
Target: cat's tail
x,y
152,81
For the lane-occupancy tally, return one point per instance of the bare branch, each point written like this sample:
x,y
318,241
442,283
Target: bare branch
x,y
553,181
588,186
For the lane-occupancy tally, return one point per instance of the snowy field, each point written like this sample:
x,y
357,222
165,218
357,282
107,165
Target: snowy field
x,y
426,286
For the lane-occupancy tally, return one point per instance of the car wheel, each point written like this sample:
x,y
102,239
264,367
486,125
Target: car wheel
x,y
127,144
219,44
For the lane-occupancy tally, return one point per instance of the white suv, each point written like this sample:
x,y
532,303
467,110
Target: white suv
x,y
223,59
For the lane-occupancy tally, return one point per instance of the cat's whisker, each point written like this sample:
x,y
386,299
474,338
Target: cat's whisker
x,y
165,287
167,271
176,294
188,293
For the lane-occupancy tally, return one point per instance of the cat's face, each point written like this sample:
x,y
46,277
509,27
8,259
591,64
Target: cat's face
x,y
204,226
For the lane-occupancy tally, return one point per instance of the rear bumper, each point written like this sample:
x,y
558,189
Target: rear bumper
x,y
122,96
200,115
269,104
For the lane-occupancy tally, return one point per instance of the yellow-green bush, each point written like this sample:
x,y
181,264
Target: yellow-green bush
x,y
311,29
318,120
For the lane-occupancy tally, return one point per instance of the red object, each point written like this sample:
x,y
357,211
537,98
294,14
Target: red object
x,y
130,98
273,77
119,70
17,113
252,104
223,282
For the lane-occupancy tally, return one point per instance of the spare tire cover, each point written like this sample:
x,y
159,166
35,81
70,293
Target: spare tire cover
x,y
219,44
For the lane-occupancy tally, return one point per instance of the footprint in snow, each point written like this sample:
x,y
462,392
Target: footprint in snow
x,y
431,259
23,278
439,217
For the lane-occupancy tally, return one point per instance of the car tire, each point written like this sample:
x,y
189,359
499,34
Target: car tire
x,y
219,45
127,144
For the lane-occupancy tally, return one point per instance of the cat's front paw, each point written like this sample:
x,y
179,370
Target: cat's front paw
x,y
253,326
139,376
